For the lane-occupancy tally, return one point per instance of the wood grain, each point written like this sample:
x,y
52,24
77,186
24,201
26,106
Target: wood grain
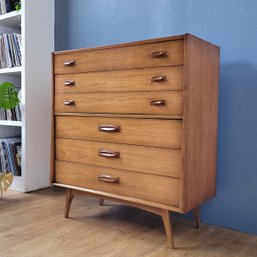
x,y
109,231
164,213
200,122
120,58
135,43
120,115
68,201
135,158
158,164
147,132
131,184
121,102
168,227
131,201
52,146
124,80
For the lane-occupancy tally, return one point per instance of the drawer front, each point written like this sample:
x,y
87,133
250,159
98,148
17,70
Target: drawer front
x,y
124,183
150,79
148,132
159,161
141,56
164,102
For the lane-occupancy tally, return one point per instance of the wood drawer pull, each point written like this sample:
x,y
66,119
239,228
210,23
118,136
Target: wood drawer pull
x,y
108,154
158,78
108,179
68,83
69,102
159,54
109,128
157,102
69,63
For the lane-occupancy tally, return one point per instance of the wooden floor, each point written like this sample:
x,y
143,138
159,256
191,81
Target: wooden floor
x,y
33,225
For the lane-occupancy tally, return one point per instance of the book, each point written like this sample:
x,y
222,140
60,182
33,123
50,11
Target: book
x,y
10,155
10,50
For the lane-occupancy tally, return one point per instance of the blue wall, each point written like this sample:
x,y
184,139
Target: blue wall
x,y
231,24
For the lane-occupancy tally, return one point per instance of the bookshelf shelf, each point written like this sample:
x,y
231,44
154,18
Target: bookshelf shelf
x,y
10,123
11,71
11,19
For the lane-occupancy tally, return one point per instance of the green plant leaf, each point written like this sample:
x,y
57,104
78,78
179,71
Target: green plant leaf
x,y
17,5
8,96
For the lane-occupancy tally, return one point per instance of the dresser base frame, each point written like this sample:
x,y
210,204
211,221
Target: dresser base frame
x,y
164,213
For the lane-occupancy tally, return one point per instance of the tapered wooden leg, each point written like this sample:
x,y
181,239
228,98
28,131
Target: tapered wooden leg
x,y
69,198
101,202
168,227
196,213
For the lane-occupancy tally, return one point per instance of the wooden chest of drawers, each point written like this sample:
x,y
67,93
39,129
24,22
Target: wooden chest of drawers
x,y
137,123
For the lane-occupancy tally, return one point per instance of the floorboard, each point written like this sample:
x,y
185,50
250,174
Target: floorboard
x,y
32,225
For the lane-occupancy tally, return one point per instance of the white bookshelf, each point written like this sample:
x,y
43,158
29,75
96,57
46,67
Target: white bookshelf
x,y
10,123
35,22
11,19
11,71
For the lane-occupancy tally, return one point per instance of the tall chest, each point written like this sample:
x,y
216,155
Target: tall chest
x,y
137,123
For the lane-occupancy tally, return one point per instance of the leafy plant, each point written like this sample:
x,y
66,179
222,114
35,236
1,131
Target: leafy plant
x,y
15,5
8,96
8,99
18,5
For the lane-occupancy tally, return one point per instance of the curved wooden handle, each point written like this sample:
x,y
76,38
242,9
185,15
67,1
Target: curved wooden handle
x,y
68,83
69,63
157,102
108,154
69,102
108,179
158,78
109,128
159,54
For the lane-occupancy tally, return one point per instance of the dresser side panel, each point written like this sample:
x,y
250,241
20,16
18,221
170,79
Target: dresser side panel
x,y
201,80
52,150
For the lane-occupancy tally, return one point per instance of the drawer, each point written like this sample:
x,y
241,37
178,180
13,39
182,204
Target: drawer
x,y
130,57
148,132
163,102
150,79
159,161
124,183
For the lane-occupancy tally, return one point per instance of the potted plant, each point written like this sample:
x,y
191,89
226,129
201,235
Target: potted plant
x,y
8,100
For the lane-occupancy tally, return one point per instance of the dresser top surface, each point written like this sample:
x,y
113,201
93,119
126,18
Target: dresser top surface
x,y
134,43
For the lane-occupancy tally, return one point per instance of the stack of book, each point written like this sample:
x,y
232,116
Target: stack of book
x,y
10,50
10,155
7,6
13,114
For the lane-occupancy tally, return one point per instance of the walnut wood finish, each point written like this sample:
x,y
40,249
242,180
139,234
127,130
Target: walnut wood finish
x,y
148,132
150,79
144,115
158,211
69,198
52,146
132,184
168,226
119,198
120,115
196,213
120,102
121,58
135,158
200,122
101,202
135,43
